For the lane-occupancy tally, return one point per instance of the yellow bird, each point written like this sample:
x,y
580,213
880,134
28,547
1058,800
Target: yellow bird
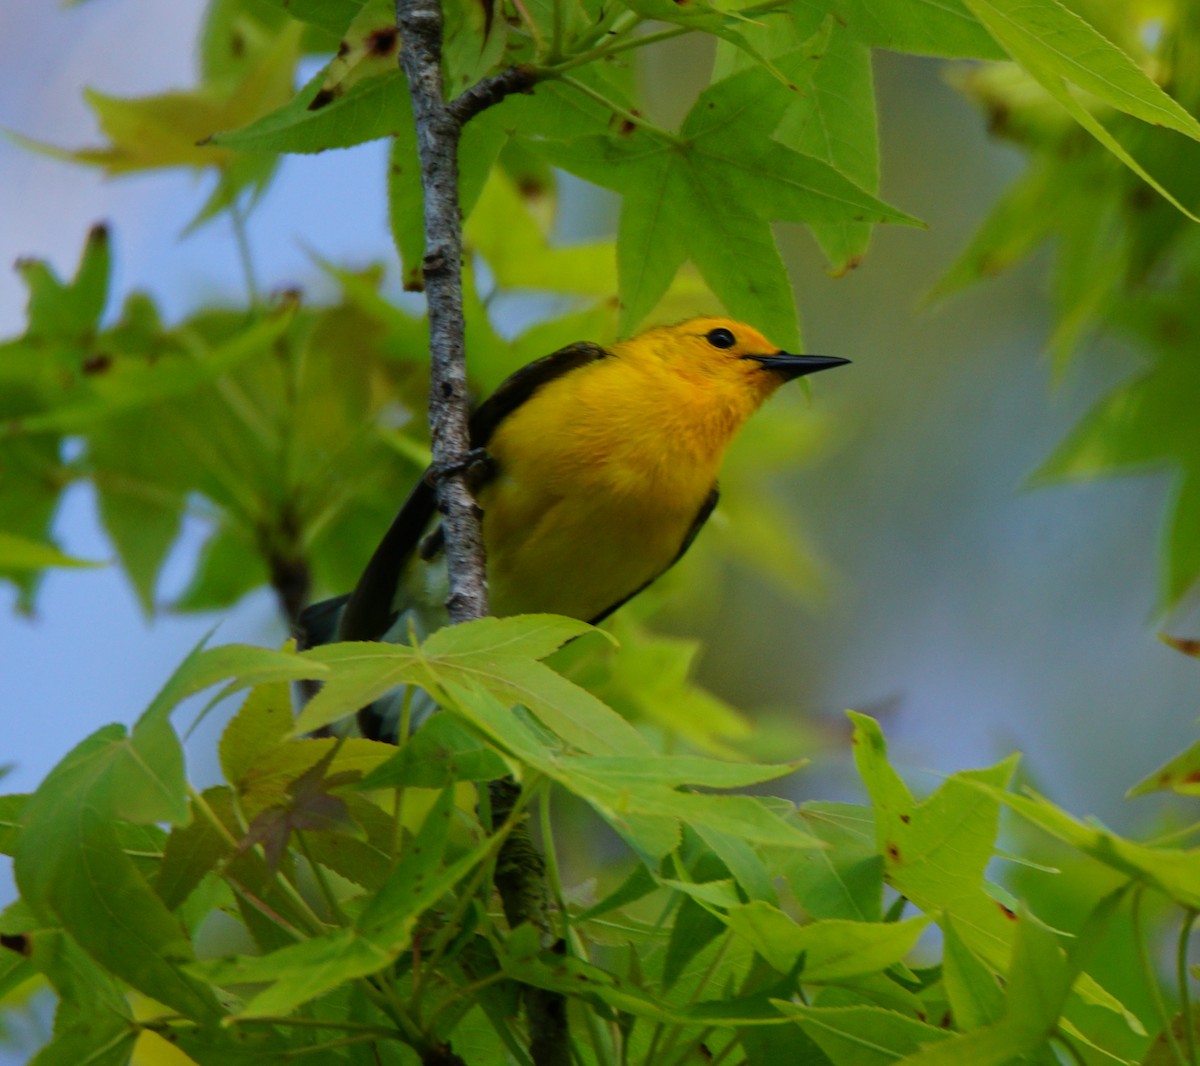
x,y
602,467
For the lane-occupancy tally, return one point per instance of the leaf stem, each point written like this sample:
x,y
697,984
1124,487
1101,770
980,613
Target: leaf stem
x,y
326,889
1139,940
631,117
553,875
628,41
556,35
318,1023
241,238
1185,996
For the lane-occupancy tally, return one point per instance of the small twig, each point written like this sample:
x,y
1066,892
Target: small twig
x,y
483,94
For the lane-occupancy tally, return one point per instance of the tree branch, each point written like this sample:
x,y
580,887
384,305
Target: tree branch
x,y
520,868
483,94
438,128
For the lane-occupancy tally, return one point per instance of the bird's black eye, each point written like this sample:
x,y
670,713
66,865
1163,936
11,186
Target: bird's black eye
x,y
720,338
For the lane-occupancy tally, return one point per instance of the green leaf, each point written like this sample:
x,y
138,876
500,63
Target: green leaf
x,y
1140,425
648,676
166,130
333,16
130,385
975,996
406,205
833,949
935,852
1173,871
378,106
1180,774
834,120
575,977
228,568
141,517
694,928
520,255
709,194
302,971
93,1023
742,860
69,861
926,27
1051,42
263,724
862,1036
500,654
191,852
369,46
69,310
1018,222
21,553
1038,983
675,770
242,664
844,879
440,753
748,817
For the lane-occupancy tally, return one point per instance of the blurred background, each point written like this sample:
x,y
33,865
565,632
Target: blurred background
x,y
972,616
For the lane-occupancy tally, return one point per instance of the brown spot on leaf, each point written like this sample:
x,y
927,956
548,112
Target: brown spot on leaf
x,y
97,363
1192,777
1011,915
343,49
906,818
999,119
531,187
1187,645
17,942
382,42
1142,197
324,98
893,852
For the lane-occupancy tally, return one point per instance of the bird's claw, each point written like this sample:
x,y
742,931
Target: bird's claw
x,y
476,467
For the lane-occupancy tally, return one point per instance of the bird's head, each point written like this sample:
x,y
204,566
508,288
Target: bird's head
x,y
723,352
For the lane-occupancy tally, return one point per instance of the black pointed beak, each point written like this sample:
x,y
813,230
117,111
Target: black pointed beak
x,y
796,366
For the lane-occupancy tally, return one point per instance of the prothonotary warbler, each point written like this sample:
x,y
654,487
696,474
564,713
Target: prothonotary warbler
x,y
602,468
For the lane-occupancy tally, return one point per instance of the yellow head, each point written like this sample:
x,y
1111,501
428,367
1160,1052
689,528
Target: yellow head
x,y
721,354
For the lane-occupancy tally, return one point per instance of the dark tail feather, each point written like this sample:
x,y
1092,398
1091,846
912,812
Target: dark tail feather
x,y
319,622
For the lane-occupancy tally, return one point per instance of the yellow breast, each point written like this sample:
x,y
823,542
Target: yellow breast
x,y
600,477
